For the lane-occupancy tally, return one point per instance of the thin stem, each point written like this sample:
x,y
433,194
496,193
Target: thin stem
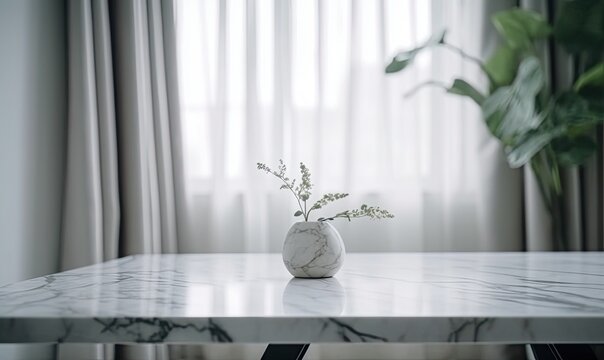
x,y
557,213
542,180
547,174
556,181
295,195
419,86
469,57
342,216
558,224
305,212
309,210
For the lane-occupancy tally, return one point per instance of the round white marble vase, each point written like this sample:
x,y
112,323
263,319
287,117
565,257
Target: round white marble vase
x,y
313,249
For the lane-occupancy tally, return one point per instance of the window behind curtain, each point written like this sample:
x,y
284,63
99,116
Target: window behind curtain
x,y
303,80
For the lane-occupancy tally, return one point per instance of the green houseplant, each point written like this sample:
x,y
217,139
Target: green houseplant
x,y
538,126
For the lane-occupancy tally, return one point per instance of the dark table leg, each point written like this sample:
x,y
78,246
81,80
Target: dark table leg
x,y
562,352
285,351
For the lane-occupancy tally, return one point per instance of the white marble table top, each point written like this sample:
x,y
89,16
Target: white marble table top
x,y
402,297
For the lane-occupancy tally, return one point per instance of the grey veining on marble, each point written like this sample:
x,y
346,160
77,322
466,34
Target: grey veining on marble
x,y
434,297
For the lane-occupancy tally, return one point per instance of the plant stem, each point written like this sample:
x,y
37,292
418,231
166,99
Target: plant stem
x,y
558,225
296,196
547,173
471,58
418,87
309,210
342,216
553,163
558,222
538,165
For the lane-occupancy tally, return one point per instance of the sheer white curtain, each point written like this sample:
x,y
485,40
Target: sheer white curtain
x,y
303,80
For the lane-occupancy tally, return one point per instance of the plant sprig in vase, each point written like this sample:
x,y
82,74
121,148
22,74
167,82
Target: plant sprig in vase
x,y
315,249
302,192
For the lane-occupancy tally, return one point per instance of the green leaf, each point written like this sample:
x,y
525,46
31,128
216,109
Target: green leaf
x,y
502,66
298,213
580,26
574,151
398,63
569,107
575,112
462,87
528,145
520,27
510,110
405,58
529,79
571,121
594,77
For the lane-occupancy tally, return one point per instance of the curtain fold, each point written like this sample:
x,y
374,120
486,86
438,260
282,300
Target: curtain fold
x,y
146,174
91,205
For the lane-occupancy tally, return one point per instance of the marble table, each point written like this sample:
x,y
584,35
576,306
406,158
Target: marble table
x,y
513,298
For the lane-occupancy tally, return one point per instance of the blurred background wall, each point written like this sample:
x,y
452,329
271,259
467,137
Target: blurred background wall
x,y
32,131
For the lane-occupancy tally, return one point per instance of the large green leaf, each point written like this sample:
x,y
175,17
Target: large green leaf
x,y
568,107
580,25
462,87
405,58
578,117
569,129
520,27
510,110
528,145
576,113
574,151
594,77
502,66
